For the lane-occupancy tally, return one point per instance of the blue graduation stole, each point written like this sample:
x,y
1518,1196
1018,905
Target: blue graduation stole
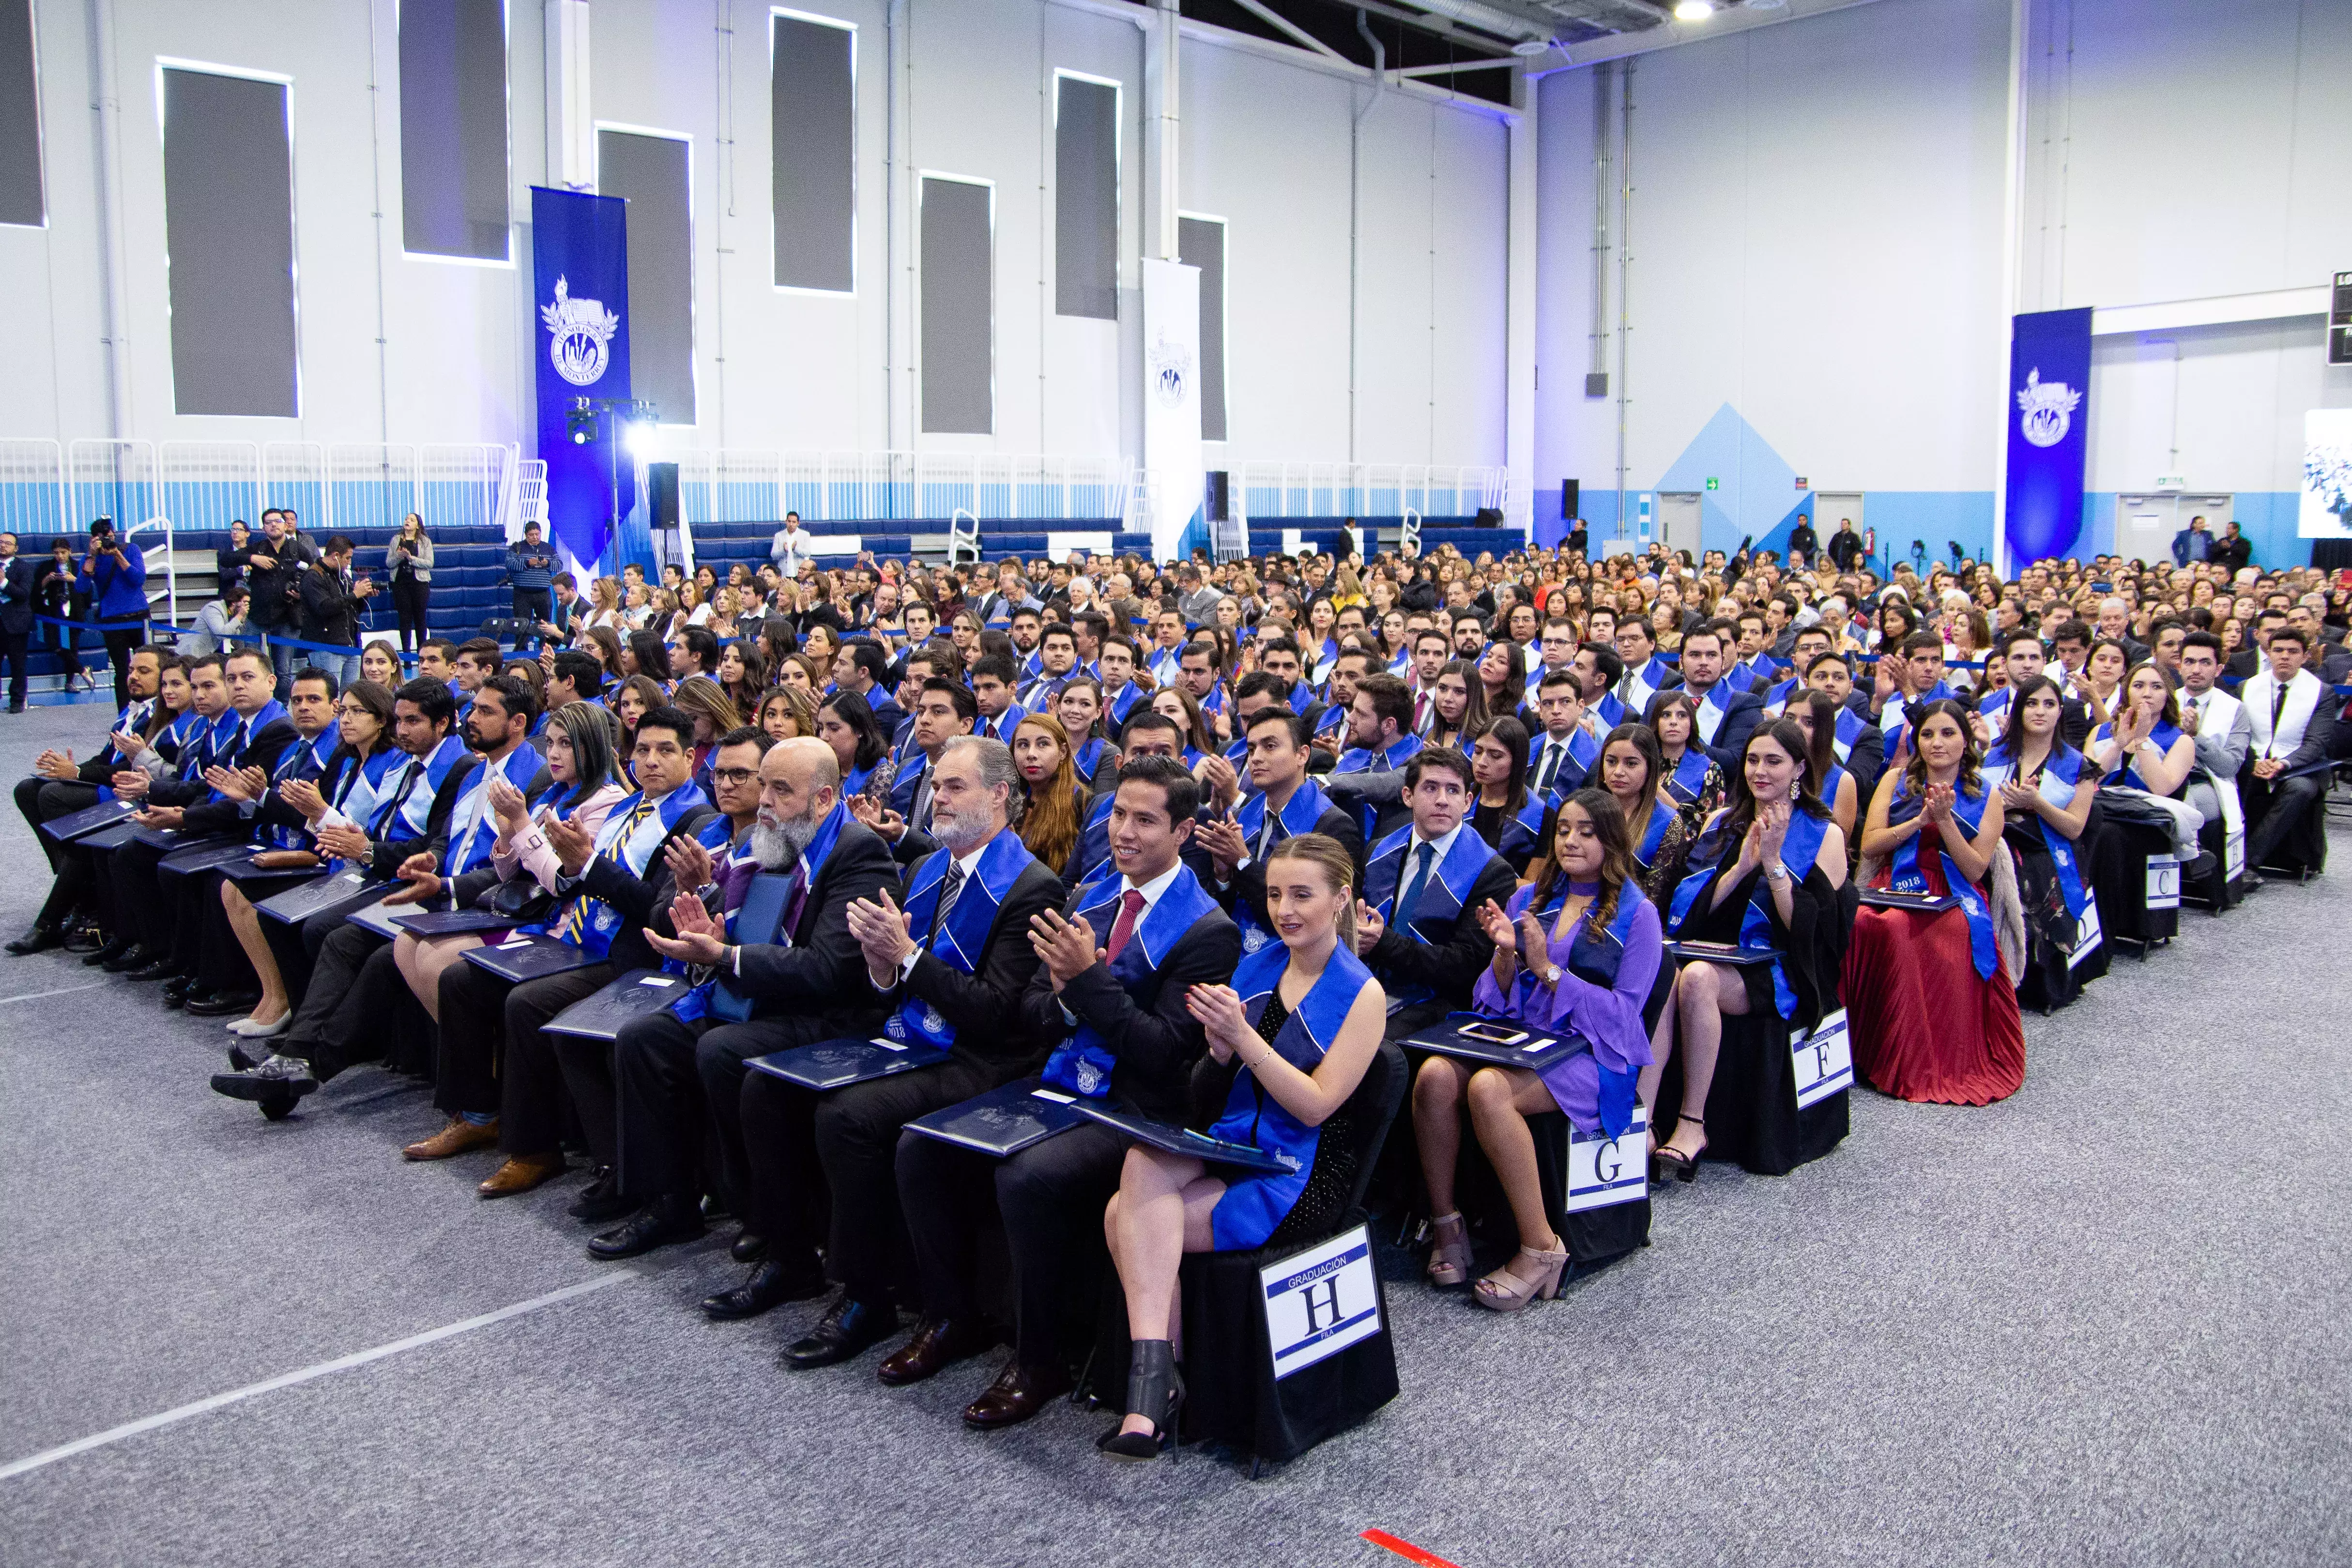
x,y
226,748
1082,1063
1892,720
1001,727
1648,682
1089,757
2062,771
1689,775
1654,837
1906,877
1333,720
1524,829
1712,709
854,782
1164,664
133,718
1582,750
1849,730
1254,1205
469,846
909,781
1612,710
1035,664
1995,707
1298,815
1594,958
1215,702
903,743
211,745
1093,835
2164,735
1778,697
301,760
1800,849
762,909
1324,657
631,836
729,859
409,812
1363,760
1439,902
1117,708
962,939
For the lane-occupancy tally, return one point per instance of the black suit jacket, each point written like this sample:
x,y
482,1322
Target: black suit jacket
x,y
824,969
1866,760
16,596
1741,715
1248,889
1152,1036
385,854
1449,969
984,1006
262,749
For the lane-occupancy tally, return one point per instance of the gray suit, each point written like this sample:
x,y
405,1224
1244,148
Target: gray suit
x,y
2220,756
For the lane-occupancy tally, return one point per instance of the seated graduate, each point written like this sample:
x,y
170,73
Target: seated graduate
x,y
796,982
1633,773
1932,1007
2218,725
1117,965
1457,705
2046,793
1566,748
943,710
2291,728
1053,805
584,785
860,747
1817,715
1601,945
949,968
1369,776
1861,745
1770,864
1507,814
1284,802
1693,777
500,1075
2143,747
217,979
55,790
335,1020
1417,917
253,733
1304,1018
1079,707
1151,734
1723,715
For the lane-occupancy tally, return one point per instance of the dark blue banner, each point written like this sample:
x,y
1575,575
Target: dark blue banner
x,y
2049,411
580,267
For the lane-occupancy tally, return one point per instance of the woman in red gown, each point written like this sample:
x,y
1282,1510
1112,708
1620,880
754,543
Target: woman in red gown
x,y
1931,1007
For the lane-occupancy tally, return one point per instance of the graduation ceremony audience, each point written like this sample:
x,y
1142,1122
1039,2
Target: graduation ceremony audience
x,y
909,920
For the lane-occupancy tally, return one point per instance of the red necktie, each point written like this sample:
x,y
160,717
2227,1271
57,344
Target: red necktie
x,y
1122,930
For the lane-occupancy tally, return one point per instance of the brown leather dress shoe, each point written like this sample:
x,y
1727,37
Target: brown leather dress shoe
x,y
1018,1393
456,1138
938,1343
520,1174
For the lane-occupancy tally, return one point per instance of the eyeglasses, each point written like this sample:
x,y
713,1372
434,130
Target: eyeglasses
x,y
734,774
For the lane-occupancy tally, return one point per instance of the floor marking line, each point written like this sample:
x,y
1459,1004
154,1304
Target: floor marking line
x,y
1405,1549
286,1380
67,991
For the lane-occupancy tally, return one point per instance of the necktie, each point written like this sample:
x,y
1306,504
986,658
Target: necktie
x,y
1551,765
1130,911
575,917
949,890
922,812
1410,899
2278,705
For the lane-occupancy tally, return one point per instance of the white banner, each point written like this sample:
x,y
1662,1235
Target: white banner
x,y
2326,512
1171,402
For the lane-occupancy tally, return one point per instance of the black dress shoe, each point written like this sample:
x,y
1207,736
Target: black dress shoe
x,y
772,1284
104,954
748,1248
130,955
850,1328
222,1004
600,1202
39,939
180,989
667,1219
1018,1393
158,967
937,1344
714,1208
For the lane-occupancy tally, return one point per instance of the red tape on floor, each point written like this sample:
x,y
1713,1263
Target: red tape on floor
x,y
1406,1550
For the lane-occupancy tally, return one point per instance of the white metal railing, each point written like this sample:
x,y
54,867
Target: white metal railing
x,y
1272,490
739,484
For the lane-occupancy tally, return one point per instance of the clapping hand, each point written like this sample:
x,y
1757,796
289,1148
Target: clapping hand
x,y
1936,807
878,817
303,796
236,783
160,817
128,744
1497,925
1369,928
131,782
345,842
1531,937
1226,844
1772,825
1219,1010
60,765
689,864
1218,775
2019,796
513,811
1067,948
417,871
573,843
884,931
701,937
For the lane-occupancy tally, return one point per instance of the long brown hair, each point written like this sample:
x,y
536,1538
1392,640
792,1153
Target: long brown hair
x,y
1337,866
1915,770
1616,853
1740,807
1048,823
1823,754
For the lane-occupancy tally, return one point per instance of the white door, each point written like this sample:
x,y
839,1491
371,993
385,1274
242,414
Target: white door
x,y
2144,526
1831,507
1679,524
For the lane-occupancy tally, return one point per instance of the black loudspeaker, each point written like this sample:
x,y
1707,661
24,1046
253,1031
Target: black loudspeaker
x,y
661,488
1218,500
1490,517
1568,500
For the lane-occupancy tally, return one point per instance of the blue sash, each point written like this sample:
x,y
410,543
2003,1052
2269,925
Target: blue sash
x,y
1440,898
1712,711
1906,877
1093,851
1363,760
1689,776
2164,735
1594,958
1001,727
1524,829
1299,814
1089,757
1801,847
854,782
1654,837
301,760
1165,663
2062,771
1647,682
629,839
1254,1205
962,939
408,812
1612,710
1849,730
469,845
1779,696
1082,1063
1116,709
737,872
1582,750
906,782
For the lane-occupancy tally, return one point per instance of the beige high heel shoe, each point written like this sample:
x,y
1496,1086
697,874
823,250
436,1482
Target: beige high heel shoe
x,y
1449,1253
1504,1292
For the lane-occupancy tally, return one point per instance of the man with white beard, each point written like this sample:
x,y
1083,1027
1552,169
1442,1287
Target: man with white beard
x,y
948,965
785,974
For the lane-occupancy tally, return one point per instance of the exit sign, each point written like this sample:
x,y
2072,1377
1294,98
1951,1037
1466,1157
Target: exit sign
x,y
1803,482
1711,483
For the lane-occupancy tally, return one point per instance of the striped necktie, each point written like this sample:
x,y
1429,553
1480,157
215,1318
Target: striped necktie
x,y
575,916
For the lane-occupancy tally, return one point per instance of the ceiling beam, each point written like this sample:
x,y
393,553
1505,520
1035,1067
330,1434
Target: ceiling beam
x,y
1723,24
1291,30
1412,71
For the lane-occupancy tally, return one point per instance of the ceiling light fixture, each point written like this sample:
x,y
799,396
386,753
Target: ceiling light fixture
x,y
1694,10
1528,48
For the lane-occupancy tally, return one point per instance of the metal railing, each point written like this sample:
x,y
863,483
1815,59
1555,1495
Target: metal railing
x,y
739,484
1366,489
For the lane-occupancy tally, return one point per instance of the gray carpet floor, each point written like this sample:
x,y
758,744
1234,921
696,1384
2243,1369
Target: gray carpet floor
x,y
2100,1323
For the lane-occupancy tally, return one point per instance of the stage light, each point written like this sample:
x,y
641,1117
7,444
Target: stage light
x,y
642,438
1694,10
580,423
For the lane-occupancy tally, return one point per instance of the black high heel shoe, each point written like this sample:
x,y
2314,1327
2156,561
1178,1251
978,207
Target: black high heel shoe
x,y
1669,1162
1154,1388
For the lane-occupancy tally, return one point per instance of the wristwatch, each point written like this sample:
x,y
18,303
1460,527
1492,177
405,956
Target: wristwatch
x,y
1551,975
1775,872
